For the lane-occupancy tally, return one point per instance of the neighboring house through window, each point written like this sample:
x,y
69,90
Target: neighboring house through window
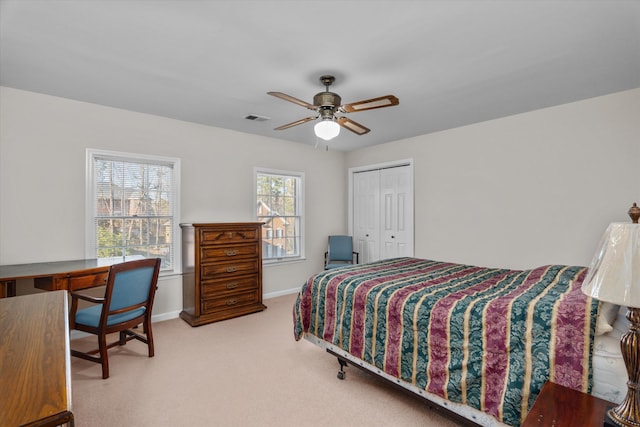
x,y
132,207
279,202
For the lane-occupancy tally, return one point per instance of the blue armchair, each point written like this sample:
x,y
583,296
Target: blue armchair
x,y
127,303
340,252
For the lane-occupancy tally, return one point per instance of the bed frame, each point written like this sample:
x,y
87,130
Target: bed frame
x,y
444,407
457,412
463,414
344,362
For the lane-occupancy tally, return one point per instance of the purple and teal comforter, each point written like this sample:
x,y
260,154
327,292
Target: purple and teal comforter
x,y
484,337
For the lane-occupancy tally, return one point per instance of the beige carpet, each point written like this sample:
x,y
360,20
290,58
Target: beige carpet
x,y
247,371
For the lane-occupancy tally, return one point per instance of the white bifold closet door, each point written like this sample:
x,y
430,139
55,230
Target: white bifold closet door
x,y
383,213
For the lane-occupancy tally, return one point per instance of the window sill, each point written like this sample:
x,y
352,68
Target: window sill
x,y
169,275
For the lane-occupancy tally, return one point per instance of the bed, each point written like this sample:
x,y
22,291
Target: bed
x,y
477,342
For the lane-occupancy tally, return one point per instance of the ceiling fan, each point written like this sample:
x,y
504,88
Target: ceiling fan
x,y
328,106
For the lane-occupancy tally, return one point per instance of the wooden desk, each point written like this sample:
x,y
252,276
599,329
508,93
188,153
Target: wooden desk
x,y
35,368
559,406
53,276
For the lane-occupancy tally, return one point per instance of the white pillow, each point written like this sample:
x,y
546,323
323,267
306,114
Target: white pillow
x,y
607,313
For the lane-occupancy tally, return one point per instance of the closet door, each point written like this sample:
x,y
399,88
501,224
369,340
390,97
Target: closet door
x,y
396,214
383,213
366,214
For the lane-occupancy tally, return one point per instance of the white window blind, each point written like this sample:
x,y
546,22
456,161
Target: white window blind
x,y
133,203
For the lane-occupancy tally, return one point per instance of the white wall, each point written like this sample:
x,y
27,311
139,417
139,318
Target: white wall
x,y
526,190
522,191
42,177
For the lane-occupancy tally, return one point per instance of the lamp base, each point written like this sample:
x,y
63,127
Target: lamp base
x,y
610,422
627,414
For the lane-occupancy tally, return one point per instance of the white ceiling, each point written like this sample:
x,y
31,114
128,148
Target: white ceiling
x,y
451,63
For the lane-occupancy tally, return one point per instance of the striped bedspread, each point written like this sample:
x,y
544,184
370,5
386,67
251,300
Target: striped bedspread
x,y
488,338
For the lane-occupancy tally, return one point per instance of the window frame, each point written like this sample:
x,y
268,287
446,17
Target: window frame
x,y
90,200
299,208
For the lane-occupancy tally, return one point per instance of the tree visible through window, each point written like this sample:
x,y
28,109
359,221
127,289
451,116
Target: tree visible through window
x,y
133,208
279,207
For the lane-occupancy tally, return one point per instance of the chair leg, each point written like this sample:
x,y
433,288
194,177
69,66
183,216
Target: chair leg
x,y
147,328
102,344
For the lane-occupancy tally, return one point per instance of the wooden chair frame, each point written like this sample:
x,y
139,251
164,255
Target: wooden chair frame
x,y
123,328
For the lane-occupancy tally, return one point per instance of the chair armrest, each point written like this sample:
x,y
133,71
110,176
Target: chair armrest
x,y
357,254
95,300
75,296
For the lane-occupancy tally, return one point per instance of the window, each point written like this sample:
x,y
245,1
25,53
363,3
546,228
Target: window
x,y
279,196
132,207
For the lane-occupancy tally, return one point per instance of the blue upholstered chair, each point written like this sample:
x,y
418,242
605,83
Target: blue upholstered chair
x,y
127,303
340,252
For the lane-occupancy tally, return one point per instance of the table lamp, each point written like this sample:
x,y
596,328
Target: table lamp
x,y
614,276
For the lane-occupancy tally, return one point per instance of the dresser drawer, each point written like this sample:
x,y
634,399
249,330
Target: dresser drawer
x,y
230,301
228,269
219,288
227,252
212,236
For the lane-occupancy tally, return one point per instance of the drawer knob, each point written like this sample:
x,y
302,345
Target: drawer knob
x,y
232,301
231,269
232,252
232,285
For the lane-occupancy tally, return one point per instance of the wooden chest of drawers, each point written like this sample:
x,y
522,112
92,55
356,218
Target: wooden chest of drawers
x,y
222,271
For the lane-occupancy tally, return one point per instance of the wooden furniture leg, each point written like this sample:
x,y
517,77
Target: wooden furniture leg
x,y
7,289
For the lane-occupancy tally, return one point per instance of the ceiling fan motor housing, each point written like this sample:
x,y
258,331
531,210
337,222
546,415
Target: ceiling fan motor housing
x,y
327,104
327,99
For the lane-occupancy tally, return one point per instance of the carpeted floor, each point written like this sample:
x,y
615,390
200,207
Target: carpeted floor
x,y
247,371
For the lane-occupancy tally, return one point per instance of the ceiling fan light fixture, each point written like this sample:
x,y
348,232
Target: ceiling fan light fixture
x,y
327,104
327,129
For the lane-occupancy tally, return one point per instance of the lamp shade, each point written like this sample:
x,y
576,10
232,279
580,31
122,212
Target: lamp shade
x,y
614,274
327,129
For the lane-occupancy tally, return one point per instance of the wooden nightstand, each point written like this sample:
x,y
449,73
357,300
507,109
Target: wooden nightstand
x,y
559,406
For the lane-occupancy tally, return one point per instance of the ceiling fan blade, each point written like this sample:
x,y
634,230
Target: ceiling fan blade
x,y
296,123
370,104
354,127
292,99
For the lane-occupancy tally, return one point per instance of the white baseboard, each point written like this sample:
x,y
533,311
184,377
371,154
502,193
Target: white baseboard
x,y
165,316
281,293
75,334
